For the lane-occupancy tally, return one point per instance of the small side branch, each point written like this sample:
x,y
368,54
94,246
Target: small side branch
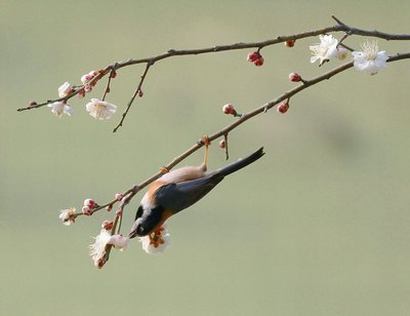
x,y
138,91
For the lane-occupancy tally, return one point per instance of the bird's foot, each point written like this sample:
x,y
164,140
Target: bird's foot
x,y
205,140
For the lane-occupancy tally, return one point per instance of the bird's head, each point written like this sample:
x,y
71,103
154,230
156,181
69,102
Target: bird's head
x,y
146,221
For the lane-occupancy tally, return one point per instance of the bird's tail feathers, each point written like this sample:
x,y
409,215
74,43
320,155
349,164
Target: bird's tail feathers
x,y
241,163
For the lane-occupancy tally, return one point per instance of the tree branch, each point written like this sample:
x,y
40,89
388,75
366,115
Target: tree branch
x,y
149,61
130,193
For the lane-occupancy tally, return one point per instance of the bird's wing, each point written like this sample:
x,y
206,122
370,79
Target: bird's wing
x,y
178,196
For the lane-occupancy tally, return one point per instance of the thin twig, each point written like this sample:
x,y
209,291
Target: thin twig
x,y
138,92
226,146
108,86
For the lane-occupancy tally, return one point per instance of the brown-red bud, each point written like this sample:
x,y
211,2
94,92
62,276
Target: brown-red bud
x,y
107,225
295,77
290,43
229,109
255,58
283,107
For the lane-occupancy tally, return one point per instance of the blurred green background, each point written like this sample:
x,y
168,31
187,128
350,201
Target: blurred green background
x,y
319,226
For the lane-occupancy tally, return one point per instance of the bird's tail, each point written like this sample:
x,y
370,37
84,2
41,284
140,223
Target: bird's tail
x,y
237,165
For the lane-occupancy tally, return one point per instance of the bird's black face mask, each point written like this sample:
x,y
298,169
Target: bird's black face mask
x,y
146,221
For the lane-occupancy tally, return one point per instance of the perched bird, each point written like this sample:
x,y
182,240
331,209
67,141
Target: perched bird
x,y
179,189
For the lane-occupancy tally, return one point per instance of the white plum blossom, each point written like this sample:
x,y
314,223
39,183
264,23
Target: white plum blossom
x,y
325,50
59,108
156,242
67,216
100,110
370,59
97,249
65,89
104,238
119,242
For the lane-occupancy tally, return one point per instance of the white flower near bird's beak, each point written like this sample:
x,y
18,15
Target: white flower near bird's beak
x,y
67,216
100,110
156,242
325,50
370,59
59,108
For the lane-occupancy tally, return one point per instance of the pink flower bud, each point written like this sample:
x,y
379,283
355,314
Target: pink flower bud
x,y
290,43
119,196
259,62
283,107
87,211
107,225
87,88
254,56
90,203
88,77
295,77
81,93
229,109
222,144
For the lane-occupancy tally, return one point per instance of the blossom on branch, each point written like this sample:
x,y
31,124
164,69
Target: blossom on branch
x,y
98,247
156,242
59,108
65,89
100,110
325,50
370,59
119,242
68,216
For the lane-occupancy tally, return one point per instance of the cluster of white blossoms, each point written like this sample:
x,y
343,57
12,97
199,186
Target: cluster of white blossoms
x,y
98,109
369,59
153,243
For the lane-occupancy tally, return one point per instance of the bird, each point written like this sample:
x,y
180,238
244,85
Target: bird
x,y
179,189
